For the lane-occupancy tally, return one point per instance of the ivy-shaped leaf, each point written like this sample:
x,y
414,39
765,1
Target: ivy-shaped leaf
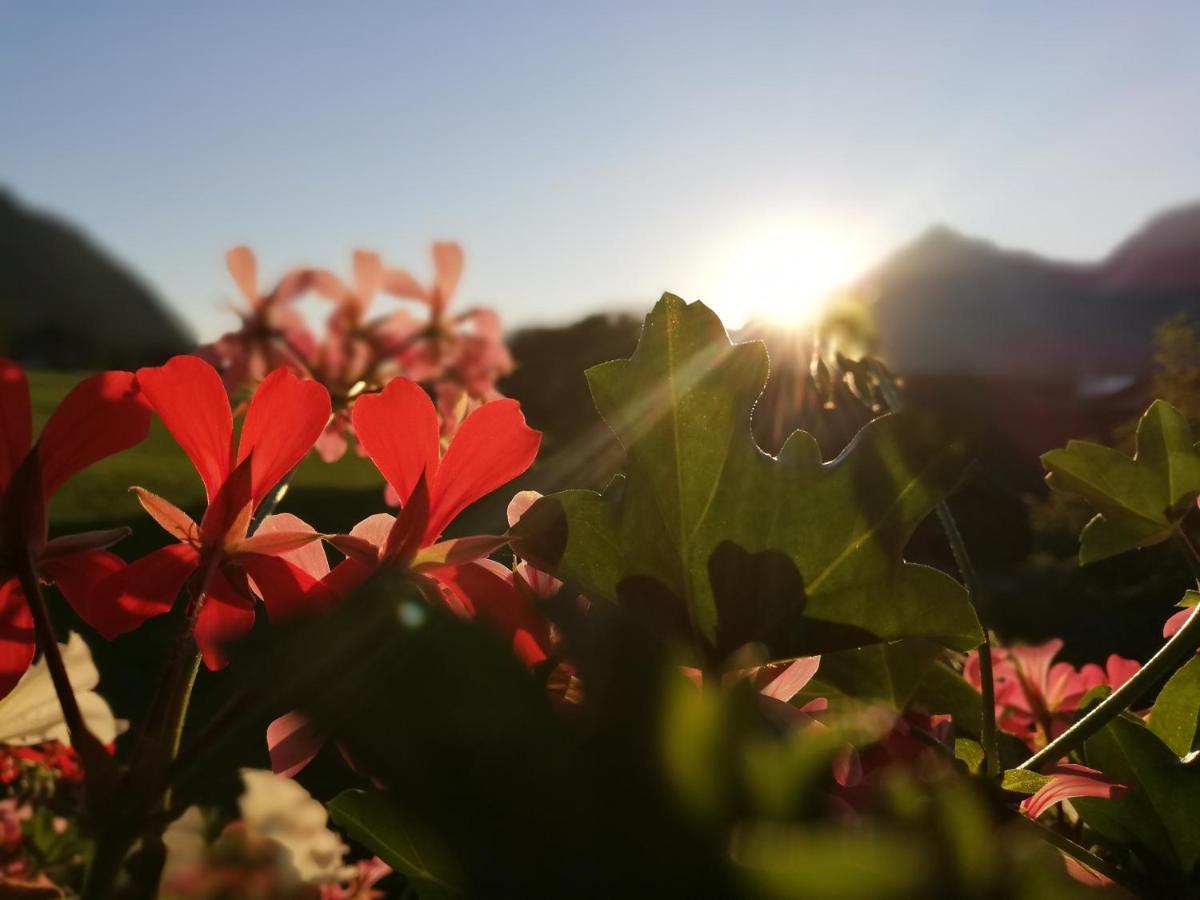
x,y
714,540
886,673
1138,501
1157,813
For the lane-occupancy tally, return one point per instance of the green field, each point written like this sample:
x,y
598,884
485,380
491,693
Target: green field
x,y
100,494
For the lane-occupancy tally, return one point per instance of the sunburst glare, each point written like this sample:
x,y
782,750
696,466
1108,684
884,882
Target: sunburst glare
x,y
783,275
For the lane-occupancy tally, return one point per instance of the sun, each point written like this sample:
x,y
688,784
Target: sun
x,y
783,275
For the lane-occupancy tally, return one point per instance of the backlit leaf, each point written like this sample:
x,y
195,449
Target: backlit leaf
x,y
715,541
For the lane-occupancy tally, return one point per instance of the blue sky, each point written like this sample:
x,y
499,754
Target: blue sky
x,y
590,154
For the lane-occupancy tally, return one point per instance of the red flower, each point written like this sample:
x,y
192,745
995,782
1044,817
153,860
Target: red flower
x,y
273,333
102,415
398,429
284,418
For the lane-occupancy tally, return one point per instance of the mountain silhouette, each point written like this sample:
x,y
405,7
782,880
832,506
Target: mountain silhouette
x,y
65,304
950,303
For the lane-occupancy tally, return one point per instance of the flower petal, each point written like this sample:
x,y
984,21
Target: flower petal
x,y
491,448
486,589
226,614
16,636
792,680
83,542
398,428
244,269
102,415
519,505
188,396
1068,781
292,741
400,283
174,521
127,595
286,589
286,416
455,552
447,268
16,420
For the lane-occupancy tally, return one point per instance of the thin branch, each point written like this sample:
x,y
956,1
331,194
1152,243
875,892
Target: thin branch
x,y
975,589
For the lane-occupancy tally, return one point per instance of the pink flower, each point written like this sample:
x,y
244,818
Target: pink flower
x,y
273,333
1036,698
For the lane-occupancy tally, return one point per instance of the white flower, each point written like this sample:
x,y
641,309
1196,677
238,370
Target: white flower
x,y
31,714
280,809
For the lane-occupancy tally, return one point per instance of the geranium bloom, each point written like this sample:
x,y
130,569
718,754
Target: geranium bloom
x,y
398,429
467,348
273,333
101,416
1036,698
283,420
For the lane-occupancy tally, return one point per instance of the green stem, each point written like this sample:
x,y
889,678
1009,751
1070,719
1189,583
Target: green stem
x,y
976,591
1182,645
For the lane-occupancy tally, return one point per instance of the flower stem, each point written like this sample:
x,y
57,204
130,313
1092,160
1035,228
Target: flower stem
x,y
1170,656
98,768
47,642
976,591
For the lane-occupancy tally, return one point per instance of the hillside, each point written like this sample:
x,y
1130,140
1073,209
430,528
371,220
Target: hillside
x,y
65,304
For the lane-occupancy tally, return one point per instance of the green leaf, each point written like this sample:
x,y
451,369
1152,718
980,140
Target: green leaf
x,y
1138,501
1176,712
969,753
713,540
885,673
1024,781
372,819
1157,813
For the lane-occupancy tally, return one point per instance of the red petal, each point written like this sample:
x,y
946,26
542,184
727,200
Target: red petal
x,y
226,615
286,589
124,596
16,636
292,742
102,415
285,418
244,269
78,577
488,589
398,428
188,396
16,420
491,447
